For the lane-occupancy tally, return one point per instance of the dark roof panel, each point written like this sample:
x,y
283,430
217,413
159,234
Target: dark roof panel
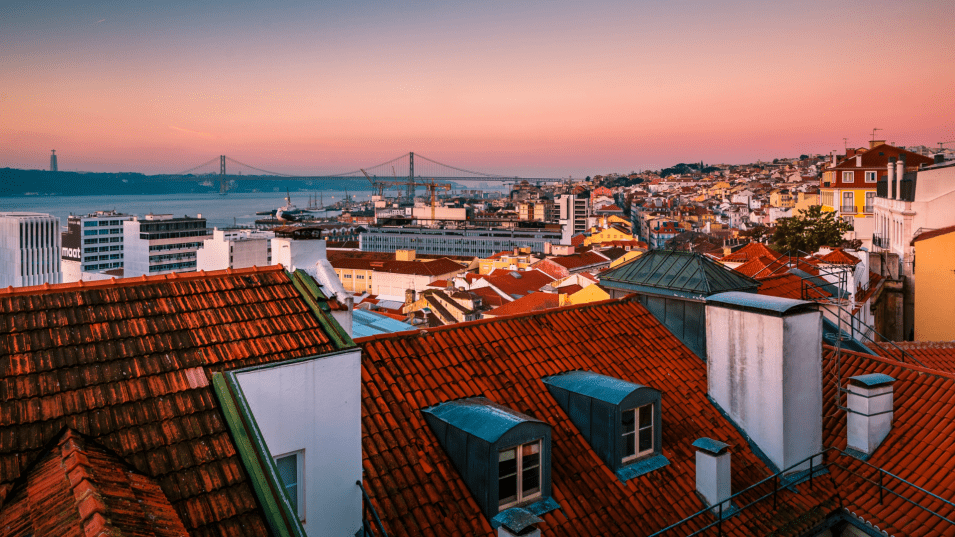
x,y
480,417
675,273
601,387
772,305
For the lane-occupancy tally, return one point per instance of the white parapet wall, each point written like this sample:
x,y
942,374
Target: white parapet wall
x,y
764,368
312,407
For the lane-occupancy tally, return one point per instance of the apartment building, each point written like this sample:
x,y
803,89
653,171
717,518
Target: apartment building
x,y
29,249
235,248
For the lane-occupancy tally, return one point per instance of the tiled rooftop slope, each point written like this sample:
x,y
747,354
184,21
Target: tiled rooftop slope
x,y
417,491
920,448
128,363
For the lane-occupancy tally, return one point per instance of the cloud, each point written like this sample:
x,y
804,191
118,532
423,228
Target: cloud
x,y
99,21
188,131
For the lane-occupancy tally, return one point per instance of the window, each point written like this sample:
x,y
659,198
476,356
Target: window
x,y
870,177
290,473
637,427
848,177
519,474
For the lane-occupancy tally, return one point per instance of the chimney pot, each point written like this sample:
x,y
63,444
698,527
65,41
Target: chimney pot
x,y
713,471
870,404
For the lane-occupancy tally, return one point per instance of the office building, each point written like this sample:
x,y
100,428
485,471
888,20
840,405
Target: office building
x,y
574,216
162,244
29,249
92,244
235,248
472,242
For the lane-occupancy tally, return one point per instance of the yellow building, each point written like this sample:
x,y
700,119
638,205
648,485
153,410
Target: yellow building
x,y
519,259
599,236
591,293
804,200
719,189
782,198
935,285
625,258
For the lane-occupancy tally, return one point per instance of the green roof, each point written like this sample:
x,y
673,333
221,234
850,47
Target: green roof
x,y
672,273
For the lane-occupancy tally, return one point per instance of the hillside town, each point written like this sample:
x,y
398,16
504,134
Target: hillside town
x,y
706,349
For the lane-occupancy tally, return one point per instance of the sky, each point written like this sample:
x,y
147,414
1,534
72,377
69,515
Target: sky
x,y
553,88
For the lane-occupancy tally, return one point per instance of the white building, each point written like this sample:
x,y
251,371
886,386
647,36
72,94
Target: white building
x,y
906,204
29,249
235,248
92,244
574,216
161,244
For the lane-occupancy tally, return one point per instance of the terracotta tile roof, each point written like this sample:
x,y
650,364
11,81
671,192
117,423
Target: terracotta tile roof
x,y
750,251
526,304
416,489
871,158
839,257
437,267
489,297
918,449
78,488
932,234
762,266
789,286
518,283
579,260
938,355
127,363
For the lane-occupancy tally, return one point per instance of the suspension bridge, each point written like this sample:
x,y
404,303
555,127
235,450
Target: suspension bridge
x,y
413,168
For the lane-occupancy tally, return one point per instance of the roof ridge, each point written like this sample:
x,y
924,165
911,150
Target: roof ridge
x,y
48,288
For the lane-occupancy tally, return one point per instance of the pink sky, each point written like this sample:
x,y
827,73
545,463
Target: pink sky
x,y
522,88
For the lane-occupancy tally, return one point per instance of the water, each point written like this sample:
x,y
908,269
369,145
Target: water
x,y
219,211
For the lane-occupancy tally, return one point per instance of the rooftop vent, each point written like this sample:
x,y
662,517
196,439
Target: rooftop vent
x,y
713,471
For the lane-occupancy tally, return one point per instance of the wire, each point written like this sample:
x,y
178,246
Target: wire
x,y
197,167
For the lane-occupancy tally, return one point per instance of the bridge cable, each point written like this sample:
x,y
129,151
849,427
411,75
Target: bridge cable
x,y
197,167
465,171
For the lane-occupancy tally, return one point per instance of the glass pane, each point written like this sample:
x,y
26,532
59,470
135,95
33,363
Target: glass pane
x,y
288,473
646,439
507,489
629,441
531,460
627,421
508,464
531,482
530,449
646,415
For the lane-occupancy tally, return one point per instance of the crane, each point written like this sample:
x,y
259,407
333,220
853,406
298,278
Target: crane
x,y
431,185
377,186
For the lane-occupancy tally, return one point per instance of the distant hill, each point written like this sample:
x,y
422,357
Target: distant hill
x,y
14,183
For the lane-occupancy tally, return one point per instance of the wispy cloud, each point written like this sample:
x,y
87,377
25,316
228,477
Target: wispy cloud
x,y
189,131
99,21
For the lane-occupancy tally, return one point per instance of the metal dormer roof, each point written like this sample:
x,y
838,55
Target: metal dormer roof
x,y
672,273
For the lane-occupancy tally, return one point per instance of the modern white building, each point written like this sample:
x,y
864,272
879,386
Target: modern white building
x,y
162,244
235,248
574,216
92,244
29,249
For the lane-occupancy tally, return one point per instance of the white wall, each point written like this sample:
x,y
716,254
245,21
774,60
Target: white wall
x,y
245,250
315,405
34,262
766,373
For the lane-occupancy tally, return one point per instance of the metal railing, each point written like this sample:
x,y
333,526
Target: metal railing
x,y
868,209
880,240
780,484
848,209
369,508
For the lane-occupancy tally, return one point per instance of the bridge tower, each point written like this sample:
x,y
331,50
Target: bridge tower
x,y
53,166
222,180
411,177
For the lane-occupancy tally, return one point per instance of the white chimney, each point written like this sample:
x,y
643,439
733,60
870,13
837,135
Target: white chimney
x,y
900,173
891,176
858,161
835,158
764,368
870,404
517,522
713,471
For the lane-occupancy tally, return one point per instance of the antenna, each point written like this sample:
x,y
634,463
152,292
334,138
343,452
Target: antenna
x,y
845,144
873,133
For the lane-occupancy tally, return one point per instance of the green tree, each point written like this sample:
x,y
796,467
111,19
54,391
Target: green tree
x,y
809,230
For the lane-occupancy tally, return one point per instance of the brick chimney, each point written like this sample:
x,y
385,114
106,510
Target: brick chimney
x,y
870,404
764,368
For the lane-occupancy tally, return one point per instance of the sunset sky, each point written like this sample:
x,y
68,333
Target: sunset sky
x,y
538,89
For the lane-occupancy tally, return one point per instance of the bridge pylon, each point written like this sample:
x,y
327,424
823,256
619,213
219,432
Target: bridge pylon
x,y
223,187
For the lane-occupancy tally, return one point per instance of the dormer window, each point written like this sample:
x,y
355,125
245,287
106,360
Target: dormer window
x,y
502,455
621,420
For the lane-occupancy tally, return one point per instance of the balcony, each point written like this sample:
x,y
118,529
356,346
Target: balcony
x,y
880,241
868,209
848,209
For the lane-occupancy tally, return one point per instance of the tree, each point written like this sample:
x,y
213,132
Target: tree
x,y
809,230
